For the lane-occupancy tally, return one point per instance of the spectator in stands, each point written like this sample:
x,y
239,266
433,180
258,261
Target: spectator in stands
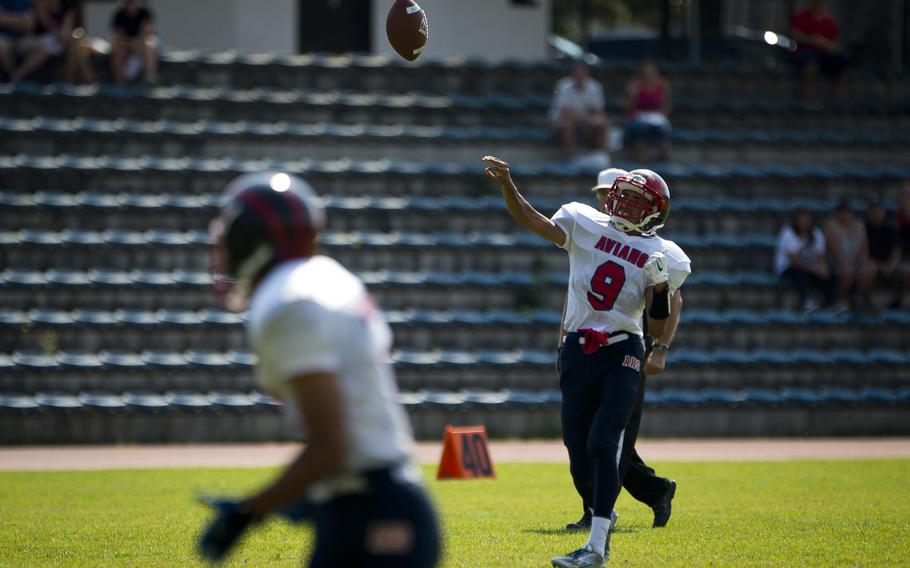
x,y
800,259
133,43
577,113
902,218
902,223
648,104
54,23
885,253
818,48
848,254
16,20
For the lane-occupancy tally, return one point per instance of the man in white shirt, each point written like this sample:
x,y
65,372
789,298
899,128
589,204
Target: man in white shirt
x,y
577,114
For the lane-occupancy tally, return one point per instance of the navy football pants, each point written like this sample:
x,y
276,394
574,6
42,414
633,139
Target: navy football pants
x,y
637,477
392,524
599,392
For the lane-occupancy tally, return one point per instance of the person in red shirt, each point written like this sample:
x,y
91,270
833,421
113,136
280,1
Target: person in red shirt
x,y
818,47
648,102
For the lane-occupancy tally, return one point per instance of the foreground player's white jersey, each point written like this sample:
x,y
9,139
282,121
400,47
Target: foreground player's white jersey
x,y
607,281
312,315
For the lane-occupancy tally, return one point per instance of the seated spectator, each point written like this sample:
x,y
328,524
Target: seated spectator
x,y
848,254
818,48
800,259
885,253
16,21
902,218
53,36
133,43
647,108
577,113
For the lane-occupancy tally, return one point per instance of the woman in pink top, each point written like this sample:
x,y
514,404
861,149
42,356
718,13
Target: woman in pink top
x,y
647,107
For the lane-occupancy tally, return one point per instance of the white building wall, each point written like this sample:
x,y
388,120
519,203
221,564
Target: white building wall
x,y
491,29
245,25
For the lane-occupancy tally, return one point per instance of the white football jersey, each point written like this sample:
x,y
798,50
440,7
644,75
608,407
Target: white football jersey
x,y
607,281
312,315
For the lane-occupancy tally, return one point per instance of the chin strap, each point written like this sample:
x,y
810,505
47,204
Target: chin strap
x,y
628,227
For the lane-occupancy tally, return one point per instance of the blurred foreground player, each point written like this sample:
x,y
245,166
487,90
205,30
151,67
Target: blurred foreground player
x,y
324,349
618,266
638,478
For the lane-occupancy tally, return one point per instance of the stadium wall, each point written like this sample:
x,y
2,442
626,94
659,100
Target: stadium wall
x,y
212,24
487,29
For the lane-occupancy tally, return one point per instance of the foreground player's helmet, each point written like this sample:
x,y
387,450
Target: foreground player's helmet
x,y
266,218
639,202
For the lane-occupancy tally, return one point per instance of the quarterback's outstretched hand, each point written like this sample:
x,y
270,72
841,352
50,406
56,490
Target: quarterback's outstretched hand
x,y
225,530
497,170
656,269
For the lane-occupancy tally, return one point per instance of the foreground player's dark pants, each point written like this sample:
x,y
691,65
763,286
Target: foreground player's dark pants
x,y
599,392
391,524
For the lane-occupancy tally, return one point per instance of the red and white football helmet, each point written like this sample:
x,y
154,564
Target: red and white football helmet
x,y
639,202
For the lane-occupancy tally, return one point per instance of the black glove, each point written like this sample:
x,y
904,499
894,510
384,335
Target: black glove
x,y
226,528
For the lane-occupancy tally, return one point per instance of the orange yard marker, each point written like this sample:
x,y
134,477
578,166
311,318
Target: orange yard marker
x,y
465,454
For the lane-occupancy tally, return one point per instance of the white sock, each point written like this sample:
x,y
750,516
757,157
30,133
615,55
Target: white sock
x,y
600,528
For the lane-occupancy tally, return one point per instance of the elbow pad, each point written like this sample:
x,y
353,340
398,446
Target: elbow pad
x,y
660,305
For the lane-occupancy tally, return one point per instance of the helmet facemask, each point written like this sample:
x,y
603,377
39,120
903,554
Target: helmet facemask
x,y
224,284
633,208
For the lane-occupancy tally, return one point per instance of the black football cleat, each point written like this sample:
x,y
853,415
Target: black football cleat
x,y
664,507
582,524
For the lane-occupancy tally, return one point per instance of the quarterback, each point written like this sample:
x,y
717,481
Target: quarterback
x,y
618,269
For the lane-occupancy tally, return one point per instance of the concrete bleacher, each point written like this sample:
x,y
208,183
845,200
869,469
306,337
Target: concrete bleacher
x,y
324,141
109,330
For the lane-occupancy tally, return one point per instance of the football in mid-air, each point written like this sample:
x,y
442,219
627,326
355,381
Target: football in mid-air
x,y
406,28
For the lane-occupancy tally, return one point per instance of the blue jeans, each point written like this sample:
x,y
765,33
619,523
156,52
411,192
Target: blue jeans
x,y
638,131
804,281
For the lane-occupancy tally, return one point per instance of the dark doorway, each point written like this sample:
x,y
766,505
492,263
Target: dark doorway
x,y
335,26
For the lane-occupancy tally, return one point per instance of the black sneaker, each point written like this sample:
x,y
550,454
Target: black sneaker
x,y
664,507
583,524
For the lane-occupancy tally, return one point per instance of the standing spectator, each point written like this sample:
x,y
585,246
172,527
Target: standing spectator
x,y
885,253
818,48
648,104
848,253
800,259
53,28
16,20
133,43
577,113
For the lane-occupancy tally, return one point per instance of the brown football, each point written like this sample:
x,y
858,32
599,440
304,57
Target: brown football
x,y
406,28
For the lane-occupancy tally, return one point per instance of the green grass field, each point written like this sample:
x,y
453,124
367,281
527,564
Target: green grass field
x,y
725,514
